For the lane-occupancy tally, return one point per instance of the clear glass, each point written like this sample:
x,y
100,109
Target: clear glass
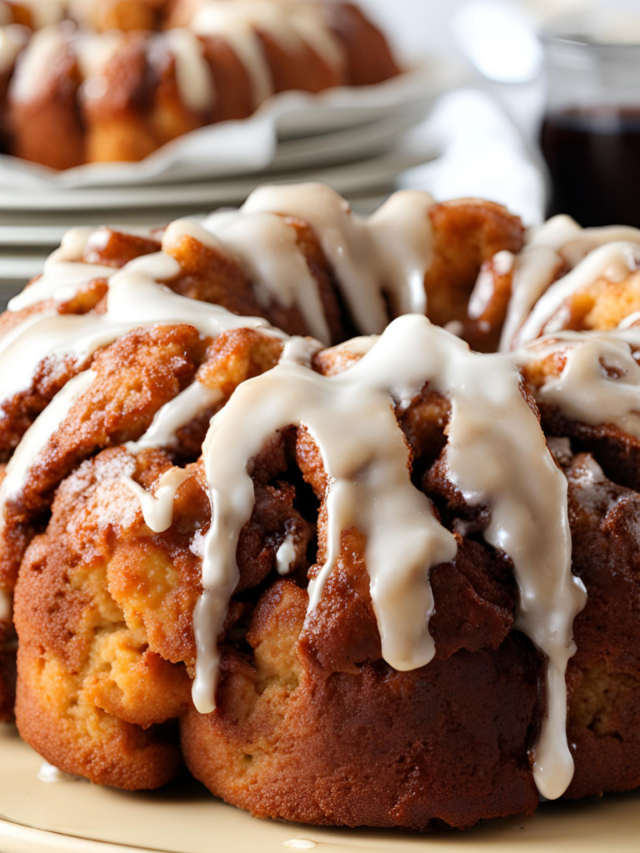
x,y
591,132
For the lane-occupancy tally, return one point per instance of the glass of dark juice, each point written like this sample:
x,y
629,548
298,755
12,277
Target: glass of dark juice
x,y
590,136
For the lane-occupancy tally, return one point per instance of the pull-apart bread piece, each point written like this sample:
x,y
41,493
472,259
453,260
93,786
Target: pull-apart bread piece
x,y
264,515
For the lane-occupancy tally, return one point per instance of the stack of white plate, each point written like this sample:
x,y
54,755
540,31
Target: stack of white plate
x,y
351,139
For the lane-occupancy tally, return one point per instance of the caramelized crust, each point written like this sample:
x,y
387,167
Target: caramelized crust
x,y
604,675
291,737
467,234
79,663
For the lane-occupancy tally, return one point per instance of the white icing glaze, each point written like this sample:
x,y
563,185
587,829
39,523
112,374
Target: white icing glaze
x,y
503,262
12,40
46,49
559,241
311,26
300,350
175,415
193,75
135,300
38,434
78,241
268,249
403,248
285,555
157,508
389,253
44,12
290,25
236,23
483,291
600,380
496,454
94,52
613,261
73,244
59,281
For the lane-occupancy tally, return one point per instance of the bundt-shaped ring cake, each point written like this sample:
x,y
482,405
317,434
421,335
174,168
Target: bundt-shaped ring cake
x,y
263,514
113,80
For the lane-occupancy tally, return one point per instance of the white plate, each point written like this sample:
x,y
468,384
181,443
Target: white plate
x,y
250,145
374,173
340,146
76,817
19,268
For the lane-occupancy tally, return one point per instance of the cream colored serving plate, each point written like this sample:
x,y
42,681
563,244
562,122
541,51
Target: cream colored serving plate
x,y
76,817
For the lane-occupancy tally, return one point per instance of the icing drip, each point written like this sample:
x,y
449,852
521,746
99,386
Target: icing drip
x,y
496,455
193,75
73,244
389,253
60,282
157,509
37,436
94,53
268,248
613,261
135,300
290,25
12,40
44,12
403,244
48,47
285,555
175,415
600,380
560,240
310,25
300,350
236,23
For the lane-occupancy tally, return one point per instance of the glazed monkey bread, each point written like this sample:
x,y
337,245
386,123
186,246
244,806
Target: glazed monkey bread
x,y
99,80
261,515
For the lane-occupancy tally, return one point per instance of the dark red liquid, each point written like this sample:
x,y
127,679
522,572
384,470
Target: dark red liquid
x,y
594,161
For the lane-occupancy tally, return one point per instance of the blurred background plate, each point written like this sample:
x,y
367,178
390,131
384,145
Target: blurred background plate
x,y
374,172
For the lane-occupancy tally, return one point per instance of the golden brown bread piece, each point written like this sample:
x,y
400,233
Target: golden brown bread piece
x,y
82,662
